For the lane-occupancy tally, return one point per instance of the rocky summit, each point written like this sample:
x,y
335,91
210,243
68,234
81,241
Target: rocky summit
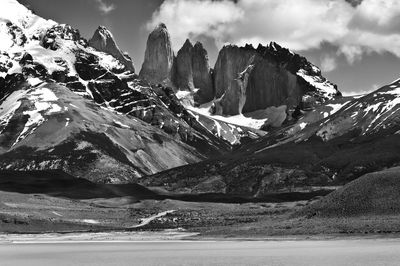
x,y
77,105
193,71
159,57
278,77
270,83
103,41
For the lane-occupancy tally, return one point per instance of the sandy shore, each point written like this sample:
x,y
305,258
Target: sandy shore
x,y
165,235
170,235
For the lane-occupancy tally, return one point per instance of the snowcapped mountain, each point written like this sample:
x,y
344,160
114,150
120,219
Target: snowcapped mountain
x,y
258,88
65,104
330,144
373,114
72,104
47,126
247,90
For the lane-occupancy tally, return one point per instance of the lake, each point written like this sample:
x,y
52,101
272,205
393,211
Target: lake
x,y
364,252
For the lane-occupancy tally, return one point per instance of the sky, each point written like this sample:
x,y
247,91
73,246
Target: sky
x,y
356,43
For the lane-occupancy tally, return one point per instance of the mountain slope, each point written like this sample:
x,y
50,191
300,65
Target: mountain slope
x,y
329,145
116,122
47,126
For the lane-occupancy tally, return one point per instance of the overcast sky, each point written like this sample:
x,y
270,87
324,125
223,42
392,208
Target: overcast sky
x,y
356,45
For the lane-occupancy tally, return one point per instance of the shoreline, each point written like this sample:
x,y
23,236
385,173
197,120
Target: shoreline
x,y
171,236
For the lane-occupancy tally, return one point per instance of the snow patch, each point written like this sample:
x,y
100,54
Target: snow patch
x,y
324,86
44,104
34,81
182,94
239,120
8,108
89,221
121,124
302,125
336,107
106,60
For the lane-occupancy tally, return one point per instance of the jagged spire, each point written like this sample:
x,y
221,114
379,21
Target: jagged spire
x,y
159,57
103,41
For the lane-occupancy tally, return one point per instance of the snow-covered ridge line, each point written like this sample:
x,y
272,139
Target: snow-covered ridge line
x,y
22,17
327,88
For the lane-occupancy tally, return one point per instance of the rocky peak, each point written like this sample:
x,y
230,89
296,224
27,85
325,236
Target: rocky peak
x,y
61,31
193,71
278,77
202,76
231,61
184,73
159,57
187,45
103,41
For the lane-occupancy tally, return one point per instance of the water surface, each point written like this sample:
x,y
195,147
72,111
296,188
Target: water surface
x,y
366,252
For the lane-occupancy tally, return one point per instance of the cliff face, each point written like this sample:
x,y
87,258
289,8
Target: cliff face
x,y
270,84
244,79
184,72
278,77
231,61
202,77
103,41
193,71
159,57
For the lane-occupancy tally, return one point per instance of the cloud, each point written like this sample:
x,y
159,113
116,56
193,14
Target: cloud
x,y
192,18
328,63
351,52
104,7
364,27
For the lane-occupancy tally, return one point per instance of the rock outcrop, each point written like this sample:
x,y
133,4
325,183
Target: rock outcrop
x,y
183,78
159,57
232,77
243,80
202,76
103,41
193,71
62,31
278,77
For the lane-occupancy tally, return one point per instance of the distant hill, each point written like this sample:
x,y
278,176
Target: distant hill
x,y
374,193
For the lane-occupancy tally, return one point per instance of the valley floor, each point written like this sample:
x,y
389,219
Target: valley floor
x,y
123,218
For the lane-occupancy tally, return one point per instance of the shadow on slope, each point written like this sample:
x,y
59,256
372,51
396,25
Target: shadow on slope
x,y
57,183
60,184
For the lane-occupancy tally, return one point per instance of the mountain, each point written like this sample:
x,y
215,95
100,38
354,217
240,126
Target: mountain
x,y
249,89
103,41
193,72
77,105
47,126
276,77
67,105
329,145
159,57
